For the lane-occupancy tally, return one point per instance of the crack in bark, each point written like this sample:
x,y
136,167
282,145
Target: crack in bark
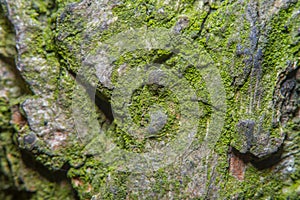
x,y
100,100
260,163
203,23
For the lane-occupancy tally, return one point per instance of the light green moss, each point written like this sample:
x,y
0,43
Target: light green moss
x,y
222,25
224,30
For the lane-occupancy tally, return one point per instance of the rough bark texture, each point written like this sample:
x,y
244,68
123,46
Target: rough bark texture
x,y
253,44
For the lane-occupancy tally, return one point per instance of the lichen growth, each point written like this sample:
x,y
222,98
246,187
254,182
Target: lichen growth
x,y
248,53
233,55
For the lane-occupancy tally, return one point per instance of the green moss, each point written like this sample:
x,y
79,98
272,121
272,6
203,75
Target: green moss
x,y
220,38
4,114
270,181
222,49
18,175
90,178
224,31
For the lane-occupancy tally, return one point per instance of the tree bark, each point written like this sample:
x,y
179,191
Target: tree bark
x,y
158,99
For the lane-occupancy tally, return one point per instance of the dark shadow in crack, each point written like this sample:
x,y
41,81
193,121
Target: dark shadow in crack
x,y
56,176
260,163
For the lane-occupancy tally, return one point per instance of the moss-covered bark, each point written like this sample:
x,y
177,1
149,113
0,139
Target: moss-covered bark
x,y
245,52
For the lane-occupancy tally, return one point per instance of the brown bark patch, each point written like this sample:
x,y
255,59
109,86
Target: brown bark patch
x,y
17,118
237,167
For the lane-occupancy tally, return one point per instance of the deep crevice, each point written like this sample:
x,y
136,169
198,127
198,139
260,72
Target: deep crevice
x,y
210,9
100,100
260,163
10,60
14,193
19,80
52,176
164,58
56,176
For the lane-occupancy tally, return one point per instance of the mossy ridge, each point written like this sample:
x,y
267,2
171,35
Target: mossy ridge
x,y
133,59
143,58
147,58
135,23
271,182
137,61
227,138
19,179
37,186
